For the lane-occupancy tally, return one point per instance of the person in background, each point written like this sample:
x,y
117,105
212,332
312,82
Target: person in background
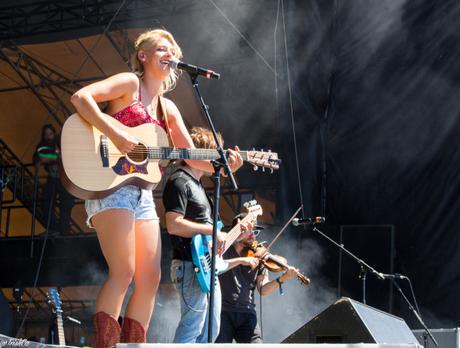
x,y
47,154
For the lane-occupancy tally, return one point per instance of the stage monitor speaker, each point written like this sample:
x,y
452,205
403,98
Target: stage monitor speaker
x,y
349,321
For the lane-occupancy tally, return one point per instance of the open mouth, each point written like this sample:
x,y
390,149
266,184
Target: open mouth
x,y
164,62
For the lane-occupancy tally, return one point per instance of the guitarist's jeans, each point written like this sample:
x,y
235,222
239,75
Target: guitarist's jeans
x,y
193,325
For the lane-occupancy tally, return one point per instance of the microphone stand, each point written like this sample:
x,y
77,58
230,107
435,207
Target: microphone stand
x,y
219,163
365,268
417,315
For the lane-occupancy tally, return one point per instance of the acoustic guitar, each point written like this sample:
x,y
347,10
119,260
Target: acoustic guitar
x,y
92,167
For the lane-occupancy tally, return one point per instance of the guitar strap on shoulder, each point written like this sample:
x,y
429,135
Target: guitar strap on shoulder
x,y
165,118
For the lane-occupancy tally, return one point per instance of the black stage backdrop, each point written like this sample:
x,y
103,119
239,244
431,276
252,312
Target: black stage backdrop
x,y
376,98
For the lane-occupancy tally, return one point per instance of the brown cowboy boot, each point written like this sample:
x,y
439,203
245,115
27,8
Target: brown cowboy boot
x,y
107,330
132,331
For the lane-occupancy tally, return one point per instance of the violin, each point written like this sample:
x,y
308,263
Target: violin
x,y
273,263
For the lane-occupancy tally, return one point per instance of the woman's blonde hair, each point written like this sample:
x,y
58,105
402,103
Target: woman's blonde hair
x,y
147,40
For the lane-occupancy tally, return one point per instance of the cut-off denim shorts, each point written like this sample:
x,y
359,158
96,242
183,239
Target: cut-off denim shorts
x,y
136,200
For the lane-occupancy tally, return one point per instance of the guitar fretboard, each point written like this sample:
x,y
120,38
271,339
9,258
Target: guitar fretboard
x,y
235,232
170,153
60,326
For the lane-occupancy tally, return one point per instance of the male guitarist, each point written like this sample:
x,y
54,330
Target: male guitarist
x,y
188,212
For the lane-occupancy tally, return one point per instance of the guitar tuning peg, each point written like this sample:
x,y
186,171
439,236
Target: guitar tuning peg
x,y
263,169
271,170
255,168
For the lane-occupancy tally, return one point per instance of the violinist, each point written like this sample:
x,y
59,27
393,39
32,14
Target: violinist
x,y
238,313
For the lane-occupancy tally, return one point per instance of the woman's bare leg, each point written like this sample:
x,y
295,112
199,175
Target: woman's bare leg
x,y
116,234
147,272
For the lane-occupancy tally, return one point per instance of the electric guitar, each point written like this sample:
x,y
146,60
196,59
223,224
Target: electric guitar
x,y
92,167
55,301
201,248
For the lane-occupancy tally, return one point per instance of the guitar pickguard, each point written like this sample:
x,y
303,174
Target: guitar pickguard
x,y
124,167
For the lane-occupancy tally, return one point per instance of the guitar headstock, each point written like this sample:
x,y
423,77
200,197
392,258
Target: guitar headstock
x,y
253,209
55,299
264,159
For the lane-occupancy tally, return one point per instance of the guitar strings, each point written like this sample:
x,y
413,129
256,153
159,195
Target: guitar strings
x,y
182,152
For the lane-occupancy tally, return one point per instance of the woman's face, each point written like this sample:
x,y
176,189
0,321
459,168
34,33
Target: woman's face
x,y
157,58
49,135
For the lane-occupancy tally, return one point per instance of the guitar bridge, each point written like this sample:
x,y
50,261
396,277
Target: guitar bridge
x,y
205,264
104,150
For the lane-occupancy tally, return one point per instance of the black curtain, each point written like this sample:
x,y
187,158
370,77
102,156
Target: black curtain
x,y
376,98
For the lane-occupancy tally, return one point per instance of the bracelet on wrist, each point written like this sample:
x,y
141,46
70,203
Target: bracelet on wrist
x,y
280,285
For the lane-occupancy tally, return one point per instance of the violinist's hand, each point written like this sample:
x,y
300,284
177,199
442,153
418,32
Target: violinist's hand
x,y
123,141
290,273
250,261
235,161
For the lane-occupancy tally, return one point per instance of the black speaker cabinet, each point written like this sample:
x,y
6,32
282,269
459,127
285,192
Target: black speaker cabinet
x,y
349,321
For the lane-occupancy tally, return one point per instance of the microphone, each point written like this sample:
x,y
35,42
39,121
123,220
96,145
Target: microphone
x,y
392,276
193,69
316,220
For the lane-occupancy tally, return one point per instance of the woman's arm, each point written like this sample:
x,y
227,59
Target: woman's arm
x,y
120,90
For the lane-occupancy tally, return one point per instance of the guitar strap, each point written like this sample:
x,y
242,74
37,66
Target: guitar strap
x,y
165,118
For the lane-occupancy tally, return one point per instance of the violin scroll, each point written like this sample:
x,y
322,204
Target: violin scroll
x,y
304,279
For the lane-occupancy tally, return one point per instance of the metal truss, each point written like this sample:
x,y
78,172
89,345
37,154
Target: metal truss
x,y
45,17
47,84
120,41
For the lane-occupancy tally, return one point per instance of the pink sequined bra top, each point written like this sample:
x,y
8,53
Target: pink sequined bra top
x,y
136,114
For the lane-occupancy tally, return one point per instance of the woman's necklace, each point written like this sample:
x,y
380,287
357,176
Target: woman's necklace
x,y
151,110
153,106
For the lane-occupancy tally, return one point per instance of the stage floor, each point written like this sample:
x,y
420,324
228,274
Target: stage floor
x,y
9,342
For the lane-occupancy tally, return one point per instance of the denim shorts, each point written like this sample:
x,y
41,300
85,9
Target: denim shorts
x,y
136,200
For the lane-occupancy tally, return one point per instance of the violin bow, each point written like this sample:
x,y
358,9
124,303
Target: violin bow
x,y
284,227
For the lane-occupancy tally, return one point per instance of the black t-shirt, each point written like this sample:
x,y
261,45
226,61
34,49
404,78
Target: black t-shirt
x,y
185,195
238,285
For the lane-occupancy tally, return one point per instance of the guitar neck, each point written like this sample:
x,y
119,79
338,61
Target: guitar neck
x,y
235,232
172,153
60,326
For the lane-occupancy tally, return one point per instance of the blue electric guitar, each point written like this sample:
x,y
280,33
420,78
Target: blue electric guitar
x,y
201,247
55,302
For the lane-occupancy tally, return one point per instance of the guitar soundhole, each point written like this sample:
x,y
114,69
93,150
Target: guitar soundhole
x,y
139,154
